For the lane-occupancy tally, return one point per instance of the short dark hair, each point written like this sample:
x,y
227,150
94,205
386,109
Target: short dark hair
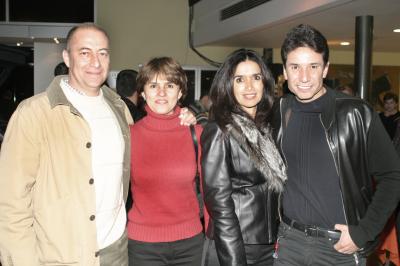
x,y
390,96
126,82
305,36
166,66
61,69
222,96
72,31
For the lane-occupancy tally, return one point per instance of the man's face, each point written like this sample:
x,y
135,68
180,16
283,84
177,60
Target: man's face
x,y
390,106
305,71
88,60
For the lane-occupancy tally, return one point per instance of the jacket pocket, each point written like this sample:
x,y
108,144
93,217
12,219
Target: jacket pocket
x,y
57,230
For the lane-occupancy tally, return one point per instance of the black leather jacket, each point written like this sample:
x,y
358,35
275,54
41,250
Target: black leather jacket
x,y
242,209
361,150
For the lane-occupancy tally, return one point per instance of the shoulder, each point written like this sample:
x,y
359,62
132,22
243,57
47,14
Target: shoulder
x,y
348,103
212,131
33,107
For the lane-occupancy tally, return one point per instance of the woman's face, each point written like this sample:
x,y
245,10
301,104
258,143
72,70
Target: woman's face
x,y
161,95
248,86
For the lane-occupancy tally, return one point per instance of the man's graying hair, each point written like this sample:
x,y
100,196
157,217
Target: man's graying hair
x,y
93,26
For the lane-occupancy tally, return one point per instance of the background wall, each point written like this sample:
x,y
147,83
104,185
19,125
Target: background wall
x,y
46,56
143,29
140,30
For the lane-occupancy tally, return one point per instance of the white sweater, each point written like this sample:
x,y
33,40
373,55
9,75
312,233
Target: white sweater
x,y
107,163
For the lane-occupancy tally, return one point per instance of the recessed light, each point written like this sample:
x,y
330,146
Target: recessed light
x,y
344,43
19,43
56,40
396,30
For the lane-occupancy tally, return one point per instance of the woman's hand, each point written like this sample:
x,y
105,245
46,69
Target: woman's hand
x,y
187,117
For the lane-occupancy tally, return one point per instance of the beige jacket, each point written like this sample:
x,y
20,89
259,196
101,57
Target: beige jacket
x,y
47,196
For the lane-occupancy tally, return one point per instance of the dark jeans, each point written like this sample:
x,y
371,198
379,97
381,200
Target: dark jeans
x,y
256,255
185,252
115,254
296,248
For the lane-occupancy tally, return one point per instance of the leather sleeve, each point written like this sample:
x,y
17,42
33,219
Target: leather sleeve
x,y
384,166
217,184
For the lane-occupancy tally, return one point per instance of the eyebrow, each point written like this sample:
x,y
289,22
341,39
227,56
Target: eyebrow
x,y
87,48
258,73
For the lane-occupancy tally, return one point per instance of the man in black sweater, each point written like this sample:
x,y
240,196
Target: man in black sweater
x,y
336,149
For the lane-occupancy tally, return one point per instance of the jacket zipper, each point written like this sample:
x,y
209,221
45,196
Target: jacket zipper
x,y
336,167
268,213
284,158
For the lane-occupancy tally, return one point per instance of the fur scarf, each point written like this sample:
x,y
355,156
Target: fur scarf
x,y
262,150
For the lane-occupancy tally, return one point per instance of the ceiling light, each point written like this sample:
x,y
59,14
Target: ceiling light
x,y
56,40
344,43
19,43
396,30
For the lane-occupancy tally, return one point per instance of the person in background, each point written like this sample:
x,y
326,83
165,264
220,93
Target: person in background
x,y
335,149
164,226
201,108
126,88
346,89
391,120
64,166
61,69
390,115
242,169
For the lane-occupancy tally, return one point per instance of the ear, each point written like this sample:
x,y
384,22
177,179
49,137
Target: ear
x,y
326,68
143,95
284,73
179,94
65,56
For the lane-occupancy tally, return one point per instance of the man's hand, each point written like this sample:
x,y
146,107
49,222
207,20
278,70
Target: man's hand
x,y
187,117
345,244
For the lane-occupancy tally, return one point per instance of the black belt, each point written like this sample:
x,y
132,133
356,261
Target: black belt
x,y
310,230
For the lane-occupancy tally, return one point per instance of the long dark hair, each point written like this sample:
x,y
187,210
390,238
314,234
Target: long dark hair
x,y
223,100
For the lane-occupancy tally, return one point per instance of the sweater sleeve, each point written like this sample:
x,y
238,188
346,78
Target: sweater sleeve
x,y
384,166
19,160
217,194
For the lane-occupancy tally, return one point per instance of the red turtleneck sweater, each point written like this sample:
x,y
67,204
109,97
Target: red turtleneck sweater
x,y
163,167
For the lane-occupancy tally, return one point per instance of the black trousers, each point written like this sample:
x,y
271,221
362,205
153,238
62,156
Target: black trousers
x,y
256,255
295,248
185,252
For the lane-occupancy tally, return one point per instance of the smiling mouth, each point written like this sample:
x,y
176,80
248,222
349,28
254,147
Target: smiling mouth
x,y
249,95
304,87
161,101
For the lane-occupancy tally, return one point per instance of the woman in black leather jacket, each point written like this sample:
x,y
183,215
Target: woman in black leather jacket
x,y
242,168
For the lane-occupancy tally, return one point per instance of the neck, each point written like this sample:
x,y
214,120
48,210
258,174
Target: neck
x,y
83,92
389,113
133,99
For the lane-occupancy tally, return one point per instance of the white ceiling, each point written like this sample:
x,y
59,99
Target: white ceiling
x,y
337,23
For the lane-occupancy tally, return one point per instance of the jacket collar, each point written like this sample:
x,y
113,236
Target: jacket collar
x,y
57,97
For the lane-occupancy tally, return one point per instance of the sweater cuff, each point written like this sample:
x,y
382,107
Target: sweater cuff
x,y
359,237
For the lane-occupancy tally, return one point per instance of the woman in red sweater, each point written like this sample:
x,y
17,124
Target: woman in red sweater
x,y
164,225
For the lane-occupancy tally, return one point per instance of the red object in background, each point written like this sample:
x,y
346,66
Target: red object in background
x,y
389,244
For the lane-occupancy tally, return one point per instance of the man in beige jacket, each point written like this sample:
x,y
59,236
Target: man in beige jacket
x,y
64,166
